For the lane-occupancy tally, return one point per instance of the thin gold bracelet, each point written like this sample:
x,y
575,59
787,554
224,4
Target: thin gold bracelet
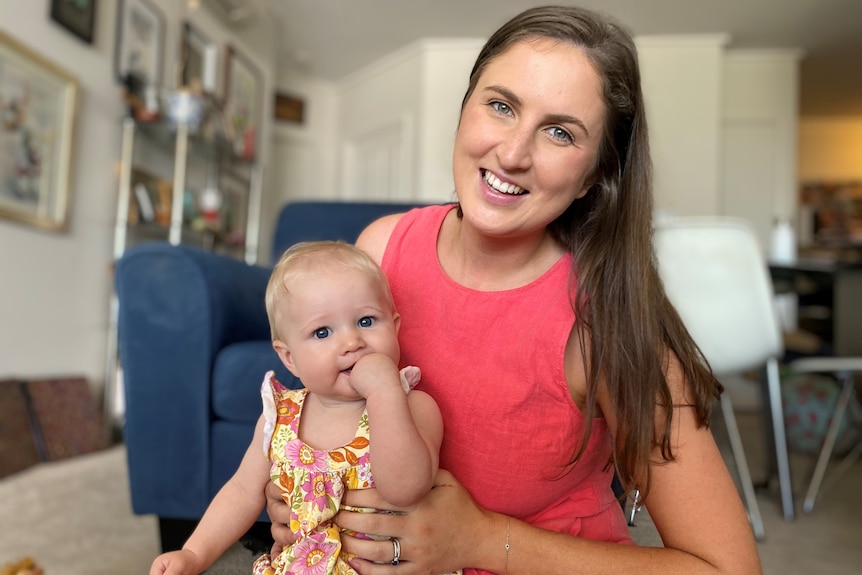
x,y
506,562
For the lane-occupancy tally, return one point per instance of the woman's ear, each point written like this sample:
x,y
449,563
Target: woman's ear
x,y
285,356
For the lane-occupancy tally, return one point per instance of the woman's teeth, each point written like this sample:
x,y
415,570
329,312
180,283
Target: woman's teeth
x,y
500,186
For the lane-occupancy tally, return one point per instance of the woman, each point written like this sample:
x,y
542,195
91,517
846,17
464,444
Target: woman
x,y
537,313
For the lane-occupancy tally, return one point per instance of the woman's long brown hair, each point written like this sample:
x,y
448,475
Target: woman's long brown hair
x,y
628,329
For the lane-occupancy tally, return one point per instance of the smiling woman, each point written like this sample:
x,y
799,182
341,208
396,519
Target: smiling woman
x,y
536,312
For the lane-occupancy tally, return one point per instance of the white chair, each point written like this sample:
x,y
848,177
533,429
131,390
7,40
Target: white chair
x,y
717,279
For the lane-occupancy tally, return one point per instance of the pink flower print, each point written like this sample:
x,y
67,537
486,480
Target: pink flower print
x,y
363,474
311,556
317,489
304,456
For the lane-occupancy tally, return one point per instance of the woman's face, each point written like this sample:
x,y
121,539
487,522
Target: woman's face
x,y
528,138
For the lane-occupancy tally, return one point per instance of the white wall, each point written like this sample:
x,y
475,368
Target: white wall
x,y
56,286
304,155
682,84
378,109
446,66
55,290
759,148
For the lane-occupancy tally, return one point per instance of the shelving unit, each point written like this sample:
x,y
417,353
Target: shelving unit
x,y
163,172
194,165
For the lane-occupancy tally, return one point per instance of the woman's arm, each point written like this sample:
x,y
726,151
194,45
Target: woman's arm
x,y
437,543
693,502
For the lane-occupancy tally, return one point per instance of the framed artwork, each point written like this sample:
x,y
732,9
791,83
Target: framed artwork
x,y
37,107
243,85
199,57
289,108
76,16
140,38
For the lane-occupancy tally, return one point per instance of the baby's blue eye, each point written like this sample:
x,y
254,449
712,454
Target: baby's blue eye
x,y
366,321
322,333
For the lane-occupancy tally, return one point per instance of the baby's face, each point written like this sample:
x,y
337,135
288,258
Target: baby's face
x,y
328,321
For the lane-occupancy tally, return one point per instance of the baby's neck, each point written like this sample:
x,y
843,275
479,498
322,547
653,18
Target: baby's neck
x,y
329,423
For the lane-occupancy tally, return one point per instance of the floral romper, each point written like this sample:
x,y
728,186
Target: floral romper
x,y
312,482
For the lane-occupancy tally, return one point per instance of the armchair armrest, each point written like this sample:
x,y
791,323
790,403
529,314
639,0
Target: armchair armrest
x,y
178,307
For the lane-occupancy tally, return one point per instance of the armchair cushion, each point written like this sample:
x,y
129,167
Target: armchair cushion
x,y
238,368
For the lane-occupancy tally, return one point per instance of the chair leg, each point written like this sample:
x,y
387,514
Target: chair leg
x,y
773,383
829,443
745,481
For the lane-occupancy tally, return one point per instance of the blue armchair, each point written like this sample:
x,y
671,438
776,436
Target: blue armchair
x,y
194,345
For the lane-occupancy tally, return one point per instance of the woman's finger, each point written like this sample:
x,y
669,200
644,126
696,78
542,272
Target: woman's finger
x,y
371,550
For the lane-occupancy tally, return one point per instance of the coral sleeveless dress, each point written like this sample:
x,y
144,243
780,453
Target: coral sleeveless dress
x,y
494,362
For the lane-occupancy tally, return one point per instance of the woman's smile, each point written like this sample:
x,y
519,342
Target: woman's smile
x,y
499,185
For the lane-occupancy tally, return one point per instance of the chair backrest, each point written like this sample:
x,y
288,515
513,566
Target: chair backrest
x,y
327,220
718,280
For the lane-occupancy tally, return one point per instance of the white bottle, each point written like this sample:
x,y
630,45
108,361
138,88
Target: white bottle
x,y
783,248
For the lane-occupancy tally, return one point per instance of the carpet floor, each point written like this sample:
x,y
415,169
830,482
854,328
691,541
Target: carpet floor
x,y
74,517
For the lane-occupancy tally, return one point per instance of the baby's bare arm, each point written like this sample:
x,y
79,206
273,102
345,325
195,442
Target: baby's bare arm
x,y
406,431
231,513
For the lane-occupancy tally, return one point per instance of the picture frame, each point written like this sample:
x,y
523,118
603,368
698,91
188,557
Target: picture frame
x,y
37,104
76,16
243,103
199,57
139,55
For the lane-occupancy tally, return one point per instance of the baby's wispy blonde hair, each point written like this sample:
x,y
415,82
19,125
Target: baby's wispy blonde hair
x,y
309,257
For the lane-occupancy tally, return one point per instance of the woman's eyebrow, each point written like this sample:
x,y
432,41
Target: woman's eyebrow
x,y
553,118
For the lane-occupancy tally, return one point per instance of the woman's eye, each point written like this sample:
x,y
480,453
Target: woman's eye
x,y
366,321
560,134
322,333
501,108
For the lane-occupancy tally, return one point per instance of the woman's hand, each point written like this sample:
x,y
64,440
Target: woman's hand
x,y
279,514
437,535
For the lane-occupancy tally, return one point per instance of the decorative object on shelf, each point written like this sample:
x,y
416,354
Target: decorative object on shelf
x,y
163,206
199,57
145,204
150,111
140,38
76,16
37,108
242,97
185,107
210,204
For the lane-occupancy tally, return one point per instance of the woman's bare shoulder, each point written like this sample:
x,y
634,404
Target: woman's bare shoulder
x,y
375,236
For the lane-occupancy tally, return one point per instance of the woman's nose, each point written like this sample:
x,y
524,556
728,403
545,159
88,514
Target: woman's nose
x,y
515,152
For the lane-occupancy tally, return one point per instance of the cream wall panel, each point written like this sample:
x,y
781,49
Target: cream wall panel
x,y
682,84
